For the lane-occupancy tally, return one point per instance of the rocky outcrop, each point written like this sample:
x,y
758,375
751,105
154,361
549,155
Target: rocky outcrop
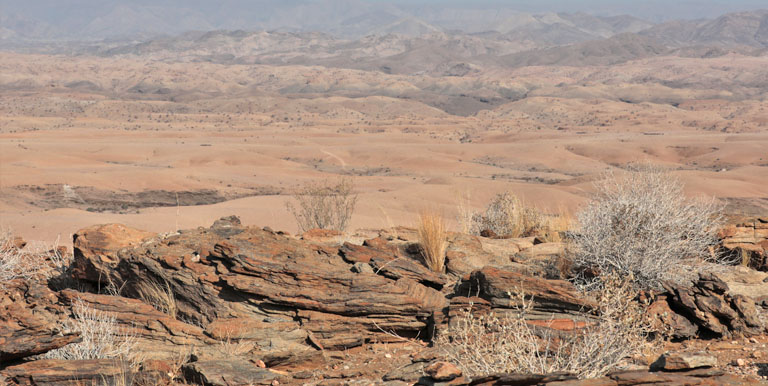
x,y
747,241
29,323
501,290
252,306
230,271
713,309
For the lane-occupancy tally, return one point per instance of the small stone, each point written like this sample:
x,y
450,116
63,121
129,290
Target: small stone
x,y
387,355
275,382
261,364
739,362
442,371
753,340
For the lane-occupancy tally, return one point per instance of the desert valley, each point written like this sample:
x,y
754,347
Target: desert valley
x,y
170,133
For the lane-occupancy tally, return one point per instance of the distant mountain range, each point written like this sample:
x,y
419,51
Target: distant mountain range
x,y
356,35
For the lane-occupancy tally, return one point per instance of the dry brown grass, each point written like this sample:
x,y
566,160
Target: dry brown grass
x,y
159,296
432,239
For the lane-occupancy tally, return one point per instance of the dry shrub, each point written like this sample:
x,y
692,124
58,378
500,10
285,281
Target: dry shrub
x,y
432,239
482,345
641,225
14,263
324,205
33,261
507,216
159,296
101,337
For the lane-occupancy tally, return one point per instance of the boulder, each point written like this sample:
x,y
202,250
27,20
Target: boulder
x,y
96,248
709,305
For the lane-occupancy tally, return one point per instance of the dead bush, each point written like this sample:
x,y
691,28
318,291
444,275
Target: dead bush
x,y
640,224
101,337
324,205
507,216
432,239
482,345
32,261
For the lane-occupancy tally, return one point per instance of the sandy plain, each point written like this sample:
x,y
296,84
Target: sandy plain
x,y
166,146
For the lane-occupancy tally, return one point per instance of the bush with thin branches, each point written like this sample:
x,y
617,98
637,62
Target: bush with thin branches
x,y
432,239
324,205
101,337
483,345
641,225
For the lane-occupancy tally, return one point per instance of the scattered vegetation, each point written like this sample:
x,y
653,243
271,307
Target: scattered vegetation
x,y
432,239
101,337
324,205
482,345
640,225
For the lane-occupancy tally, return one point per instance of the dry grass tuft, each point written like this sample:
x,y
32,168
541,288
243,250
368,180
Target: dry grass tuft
x,y
324,205
159,296
432,239
482,345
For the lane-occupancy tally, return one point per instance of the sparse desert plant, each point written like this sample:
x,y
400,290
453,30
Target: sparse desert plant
x,y
101,337
159,296
640,224
36,261
507,216
482,345
432,239
324,205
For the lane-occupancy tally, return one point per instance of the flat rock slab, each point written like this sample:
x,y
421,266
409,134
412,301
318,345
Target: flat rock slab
x,y
54,372
228,372
684,361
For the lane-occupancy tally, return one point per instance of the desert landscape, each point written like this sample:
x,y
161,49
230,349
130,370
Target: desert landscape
x,y
162,133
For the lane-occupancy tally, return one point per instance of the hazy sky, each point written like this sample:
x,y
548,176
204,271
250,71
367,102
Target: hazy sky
x,y
649,9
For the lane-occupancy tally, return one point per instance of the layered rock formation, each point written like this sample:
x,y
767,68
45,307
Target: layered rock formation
x,y
254,306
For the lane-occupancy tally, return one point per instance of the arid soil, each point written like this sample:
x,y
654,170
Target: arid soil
x,y
170,145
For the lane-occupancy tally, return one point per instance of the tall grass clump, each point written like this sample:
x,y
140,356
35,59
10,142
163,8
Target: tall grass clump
x,y
159,296
432,239
483,345
640,224
324,205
